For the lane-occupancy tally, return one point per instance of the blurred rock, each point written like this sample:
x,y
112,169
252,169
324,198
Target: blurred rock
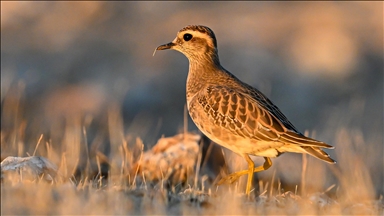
x,y
28,168
172,158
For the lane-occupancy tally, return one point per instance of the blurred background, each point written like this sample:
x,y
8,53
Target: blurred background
x,y
65,64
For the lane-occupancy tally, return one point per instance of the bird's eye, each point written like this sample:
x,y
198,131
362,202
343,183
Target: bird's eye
x,y
187,37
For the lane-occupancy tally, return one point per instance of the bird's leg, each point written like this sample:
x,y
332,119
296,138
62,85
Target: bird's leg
x,y
251,166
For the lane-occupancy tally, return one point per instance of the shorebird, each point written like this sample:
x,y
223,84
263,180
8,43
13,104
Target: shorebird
x,y
232,113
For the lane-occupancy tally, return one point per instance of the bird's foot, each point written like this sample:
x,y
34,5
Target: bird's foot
x,y
230,179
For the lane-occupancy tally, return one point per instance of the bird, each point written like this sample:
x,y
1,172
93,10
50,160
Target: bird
x,y
231,112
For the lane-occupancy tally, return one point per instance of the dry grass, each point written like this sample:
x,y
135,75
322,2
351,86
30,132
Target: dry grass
x,y
91,181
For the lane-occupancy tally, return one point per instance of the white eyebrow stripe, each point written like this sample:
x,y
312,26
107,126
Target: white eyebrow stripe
x,y
199,35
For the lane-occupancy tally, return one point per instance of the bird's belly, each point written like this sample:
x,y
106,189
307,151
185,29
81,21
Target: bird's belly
x,y
243,146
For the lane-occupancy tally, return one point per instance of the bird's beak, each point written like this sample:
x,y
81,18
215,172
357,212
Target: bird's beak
x,y
164,47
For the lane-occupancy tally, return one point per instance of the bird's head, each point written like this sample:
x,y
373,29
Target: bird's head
x,y
196,42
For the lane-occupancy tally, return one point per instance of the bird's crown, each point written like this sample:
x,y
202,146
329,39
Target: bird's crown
x,y
202,29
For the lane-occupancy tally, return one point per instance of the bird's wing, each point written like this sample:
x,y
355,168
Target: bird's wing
x,y
292,135
267,104
251,115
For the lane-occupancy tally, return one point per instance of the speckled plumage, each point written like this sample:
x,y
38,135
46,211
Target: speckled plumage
x,y
231,112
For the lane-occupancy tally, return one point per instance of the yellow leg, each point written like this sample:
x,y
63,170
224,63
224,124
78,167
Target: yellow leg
x,y
251,169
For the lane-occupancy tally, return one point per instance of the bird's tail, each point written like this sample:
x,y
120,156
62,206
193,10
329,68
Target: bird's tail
x,y
318,153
